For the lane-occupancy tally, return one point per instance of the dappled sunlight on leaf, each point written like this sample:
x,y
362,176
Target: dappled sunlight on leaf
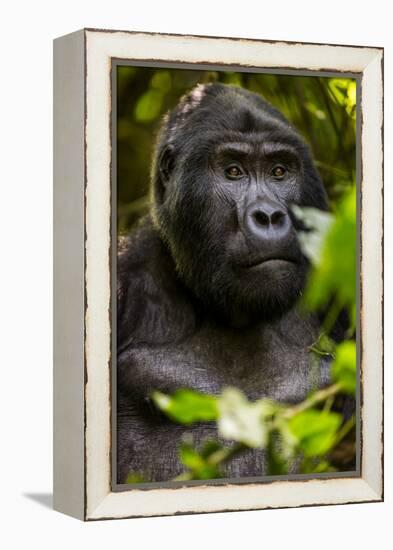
x,y
241,420
318,224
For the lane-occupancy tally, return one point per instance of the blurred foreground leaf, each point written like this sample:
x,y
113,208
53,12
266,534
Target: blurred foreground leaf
x,y
315,431
242,420
199,463
135,478
334,273
149,105
187,406
344,366
318,223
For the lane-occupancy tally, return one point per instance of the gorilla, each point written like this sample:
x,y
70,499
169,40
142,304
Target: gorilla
x,y
208,282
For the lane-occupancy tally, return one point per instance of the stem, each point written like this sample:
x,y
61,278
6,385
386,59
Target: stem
x,y
328,405
312,400
216,458
317,350
345,429
320,352
332,315
225,454
185,476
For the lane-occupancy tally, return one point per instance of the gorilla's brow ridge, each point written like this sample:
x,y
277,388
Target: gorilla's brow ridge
x,y
267,148
235,147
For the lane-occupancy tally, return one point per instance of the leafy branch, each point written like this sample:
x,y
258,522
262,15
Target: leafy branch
x,y
282,430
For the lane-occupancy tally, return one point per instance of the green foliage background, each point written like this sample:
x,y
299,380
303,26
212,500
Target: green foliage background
x,y
323,109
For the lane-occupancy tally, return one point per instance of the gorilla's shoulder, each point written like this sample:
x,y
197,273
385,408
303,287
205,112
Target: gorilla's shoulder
x,y
150,306
140,247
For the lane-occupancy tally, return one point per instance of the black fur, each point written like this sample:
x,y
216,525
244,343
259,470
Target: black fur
x,y
208,282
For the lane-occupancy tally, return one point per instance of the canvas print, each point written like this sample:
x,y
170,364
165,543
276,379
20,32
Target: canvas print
x,y
236,285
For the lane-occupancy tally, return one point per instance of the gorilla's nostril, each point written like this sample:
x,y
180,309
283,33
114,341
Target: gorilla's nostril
x,y
277,218
264,219
261,218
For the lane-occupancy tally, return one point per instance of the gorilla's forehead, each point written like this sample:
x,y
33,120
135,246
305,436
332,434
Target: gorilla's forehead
x,y
251,129
258,145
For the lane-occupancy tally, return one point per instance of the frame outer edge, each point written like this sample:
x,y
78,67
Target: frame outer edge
x,y
101,502
372,273
68,288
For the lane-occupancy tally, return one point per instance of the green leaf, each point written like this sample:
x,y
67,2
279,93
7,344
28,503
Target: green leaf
x,y
316,466
315,431
208,471
335,273
190,457
197,463
323,466
162,80
285,437
135,478
148,106
324,346
344,366
241,420
187,406
210,447
277,462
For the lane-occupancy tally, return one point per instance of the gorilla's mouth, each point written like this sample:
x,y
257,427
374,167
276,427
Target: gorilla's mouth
x,y
271,261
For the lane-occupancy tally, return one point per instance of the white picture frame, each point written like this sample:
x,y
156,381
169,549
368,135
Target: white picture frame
x,y
82,255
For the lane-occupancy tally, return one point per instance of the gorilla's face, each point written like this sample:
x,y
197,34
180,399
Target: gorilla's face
x,y
228,169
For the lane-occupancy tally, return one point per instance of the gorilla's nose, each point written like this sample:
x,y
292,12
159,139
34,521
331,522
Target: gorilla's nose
x,y
267,220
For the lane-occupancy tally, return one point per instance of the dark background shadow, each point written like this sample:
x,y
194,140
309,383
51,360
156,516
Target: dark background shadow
x,y
45,499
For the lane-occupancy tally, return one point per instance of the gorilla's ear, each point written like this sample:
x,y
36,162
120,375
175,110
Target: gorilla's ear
x,y
166,164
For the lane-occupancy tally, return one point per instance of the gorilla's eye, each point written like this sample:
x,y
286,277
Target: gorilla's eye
x,y
233,172
279,172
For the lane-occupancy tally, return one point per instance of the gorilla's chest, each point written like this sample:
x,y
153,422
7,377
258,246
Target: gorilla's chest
x,y
274,362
